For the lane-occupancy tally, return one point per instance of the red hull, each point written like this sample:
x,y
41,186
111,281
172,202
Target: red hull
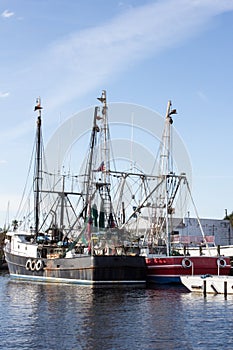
x,y
169,269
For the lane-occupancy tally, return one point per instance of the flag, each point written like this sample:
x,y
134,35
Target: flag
x,y
101,167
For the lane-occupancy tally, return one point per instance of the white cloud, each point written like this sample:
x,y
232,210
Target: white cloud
x,y
4,94
7,14
3,161
87,59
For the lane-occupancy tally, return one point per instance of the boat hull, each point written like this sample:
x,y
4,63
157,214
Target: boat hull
x,y
84,269
166,270
208,284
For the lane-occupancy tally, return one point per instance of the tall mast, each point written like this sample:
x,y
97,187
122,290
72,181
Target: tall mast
x,y
162,204
104,137
105,158
166,147
89,170
167,168
38,165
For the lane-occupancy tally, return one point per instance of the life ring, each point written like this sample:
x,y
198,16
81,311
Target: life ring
x,y
33,265
28,264
221,262
39,265
186,263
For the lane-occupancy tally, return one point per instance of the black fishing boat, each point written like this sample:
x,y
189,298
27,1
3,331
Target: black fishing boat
x,y
89,248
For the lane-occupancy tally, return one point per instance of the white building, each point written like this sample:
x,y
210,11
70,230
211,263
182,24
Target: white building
x,y
188,231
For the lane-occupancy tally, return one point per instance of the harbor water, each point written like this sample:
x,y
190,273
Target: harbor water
x,y
52,316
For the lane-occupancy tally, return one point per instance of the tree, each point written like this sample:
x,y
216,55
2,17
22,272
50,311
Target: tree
x,y
229,217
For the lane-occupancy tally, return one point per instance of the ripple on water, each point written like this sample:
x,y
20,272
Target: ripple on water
x,y
53,316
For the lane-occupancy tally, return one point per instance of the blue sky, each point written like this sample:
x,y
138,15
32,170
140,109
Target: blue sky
x,y
142,52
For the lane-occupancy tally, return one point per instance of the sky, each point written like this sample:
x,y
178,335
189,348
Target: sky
x,y
143,52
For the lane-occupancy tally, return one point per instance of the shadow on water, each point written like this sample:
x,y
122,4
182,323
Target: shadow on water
x,y
54,316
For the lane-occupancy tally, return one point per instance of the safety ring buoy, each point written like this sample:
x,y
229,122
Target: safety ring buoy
x,y
39,265
221,262
33,265
28,264
186,263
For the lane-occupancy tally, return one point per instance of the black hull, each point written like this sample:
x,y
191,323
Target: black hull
x,y
84,269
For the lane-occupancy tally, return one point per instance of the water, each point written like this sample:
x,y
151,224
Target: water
x,y
48,316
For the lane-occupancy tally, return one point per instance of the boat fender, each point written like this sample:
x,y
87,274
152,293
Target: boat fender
x,y
28,264
33,265
39,265
221,262
186,263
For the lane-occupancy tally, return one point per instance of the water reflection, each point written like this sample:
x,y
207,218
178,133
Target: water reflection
x,y
50,316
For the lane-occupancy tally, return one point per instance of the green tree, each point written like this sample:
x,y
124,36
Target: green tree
x,y
229,217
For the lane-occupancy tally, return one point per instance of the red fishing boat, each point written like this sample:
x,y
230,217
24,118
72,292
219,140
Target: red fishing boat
x,y
168,269
168,265
158,207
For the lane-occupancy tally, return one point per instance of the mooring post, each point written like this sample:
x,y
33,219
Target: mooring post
x,y
204,289
225,288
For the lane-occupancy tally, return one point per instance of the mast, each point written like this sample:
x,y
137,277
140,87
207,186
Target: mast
x,y
168,168
104,137
89,173
106,210
163,202
166,165
38,166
